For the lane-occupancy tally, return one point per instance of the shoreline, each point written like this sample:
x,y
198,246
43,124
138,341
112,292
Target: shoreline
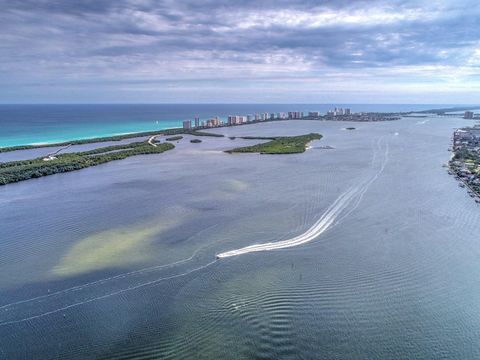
x,y
83,140
356,117
166,131
464,161
130,134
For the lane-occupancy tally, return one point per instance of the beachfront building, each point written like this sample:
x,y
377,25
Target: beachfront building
x,y
295,114
237,119
468,115
187,124
214,122
197,121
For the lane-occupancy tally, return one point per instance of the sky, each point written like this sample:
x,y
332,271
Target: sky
x,y
233,51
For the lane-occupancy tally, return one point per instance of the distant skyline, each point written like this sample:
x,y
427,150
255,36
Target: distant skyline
x,y
332,51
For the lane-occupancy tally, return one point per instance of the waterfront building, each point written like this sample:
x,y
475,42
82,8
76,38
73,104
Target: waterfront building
x,y
214,122
257,117
237,119
187,124
347,112
197,121
468,115
295,114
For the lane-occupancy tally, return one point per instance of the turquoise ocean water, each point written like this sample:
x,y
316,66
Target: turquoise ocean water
x,y
33,124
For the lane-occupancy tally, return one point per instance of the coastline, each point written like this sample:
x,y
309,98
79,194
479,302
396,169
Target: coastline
x,y
464,161
166,131
89,140
128,135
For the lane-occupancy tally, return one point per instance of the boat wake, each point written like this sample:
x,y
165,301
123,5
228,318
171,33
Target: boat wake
x,y
345,203
58,302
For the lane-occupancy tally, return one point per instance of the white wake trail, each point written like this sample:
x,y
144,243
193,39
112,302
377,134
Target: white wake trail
x,y
354,195
118,292
337,211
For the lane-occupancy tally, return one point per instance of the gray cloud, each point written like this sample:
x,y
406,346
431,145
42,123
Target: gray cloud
x,y
110,43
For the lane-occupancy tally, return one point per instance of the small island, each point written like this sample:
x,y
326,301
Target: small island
x,y
174,138
350,128
279,145
57,162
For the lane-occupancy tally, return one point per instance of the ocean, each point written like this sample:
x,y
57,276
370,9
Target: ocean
x,y
38,124
118,261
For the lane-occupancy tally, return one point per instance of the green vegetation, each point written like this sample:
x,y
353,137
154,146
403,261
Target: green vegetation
x,y
195,141
280,145
201,133
174,138
27,169
168,132
463,154
466,164
258,137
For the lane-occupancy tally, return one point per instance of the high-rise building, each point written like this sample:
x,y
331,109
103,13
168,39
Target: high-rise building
x,y
197,121
187,124
468,115
347,112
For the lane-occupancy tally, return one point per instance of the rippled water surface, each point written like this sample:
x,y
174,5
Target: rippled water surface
x,y
119,261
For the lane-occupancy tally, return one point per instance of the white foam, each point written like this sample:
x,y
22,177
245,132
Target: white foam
x,y
352,196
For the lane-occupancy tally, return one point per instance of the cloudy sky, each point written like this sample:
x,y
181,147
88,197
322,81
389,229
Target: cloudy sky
x,y
333,51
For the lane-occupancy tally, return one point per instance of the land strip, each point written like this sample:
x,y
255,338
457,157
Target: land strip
x,y
15,171
465,162
168,132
